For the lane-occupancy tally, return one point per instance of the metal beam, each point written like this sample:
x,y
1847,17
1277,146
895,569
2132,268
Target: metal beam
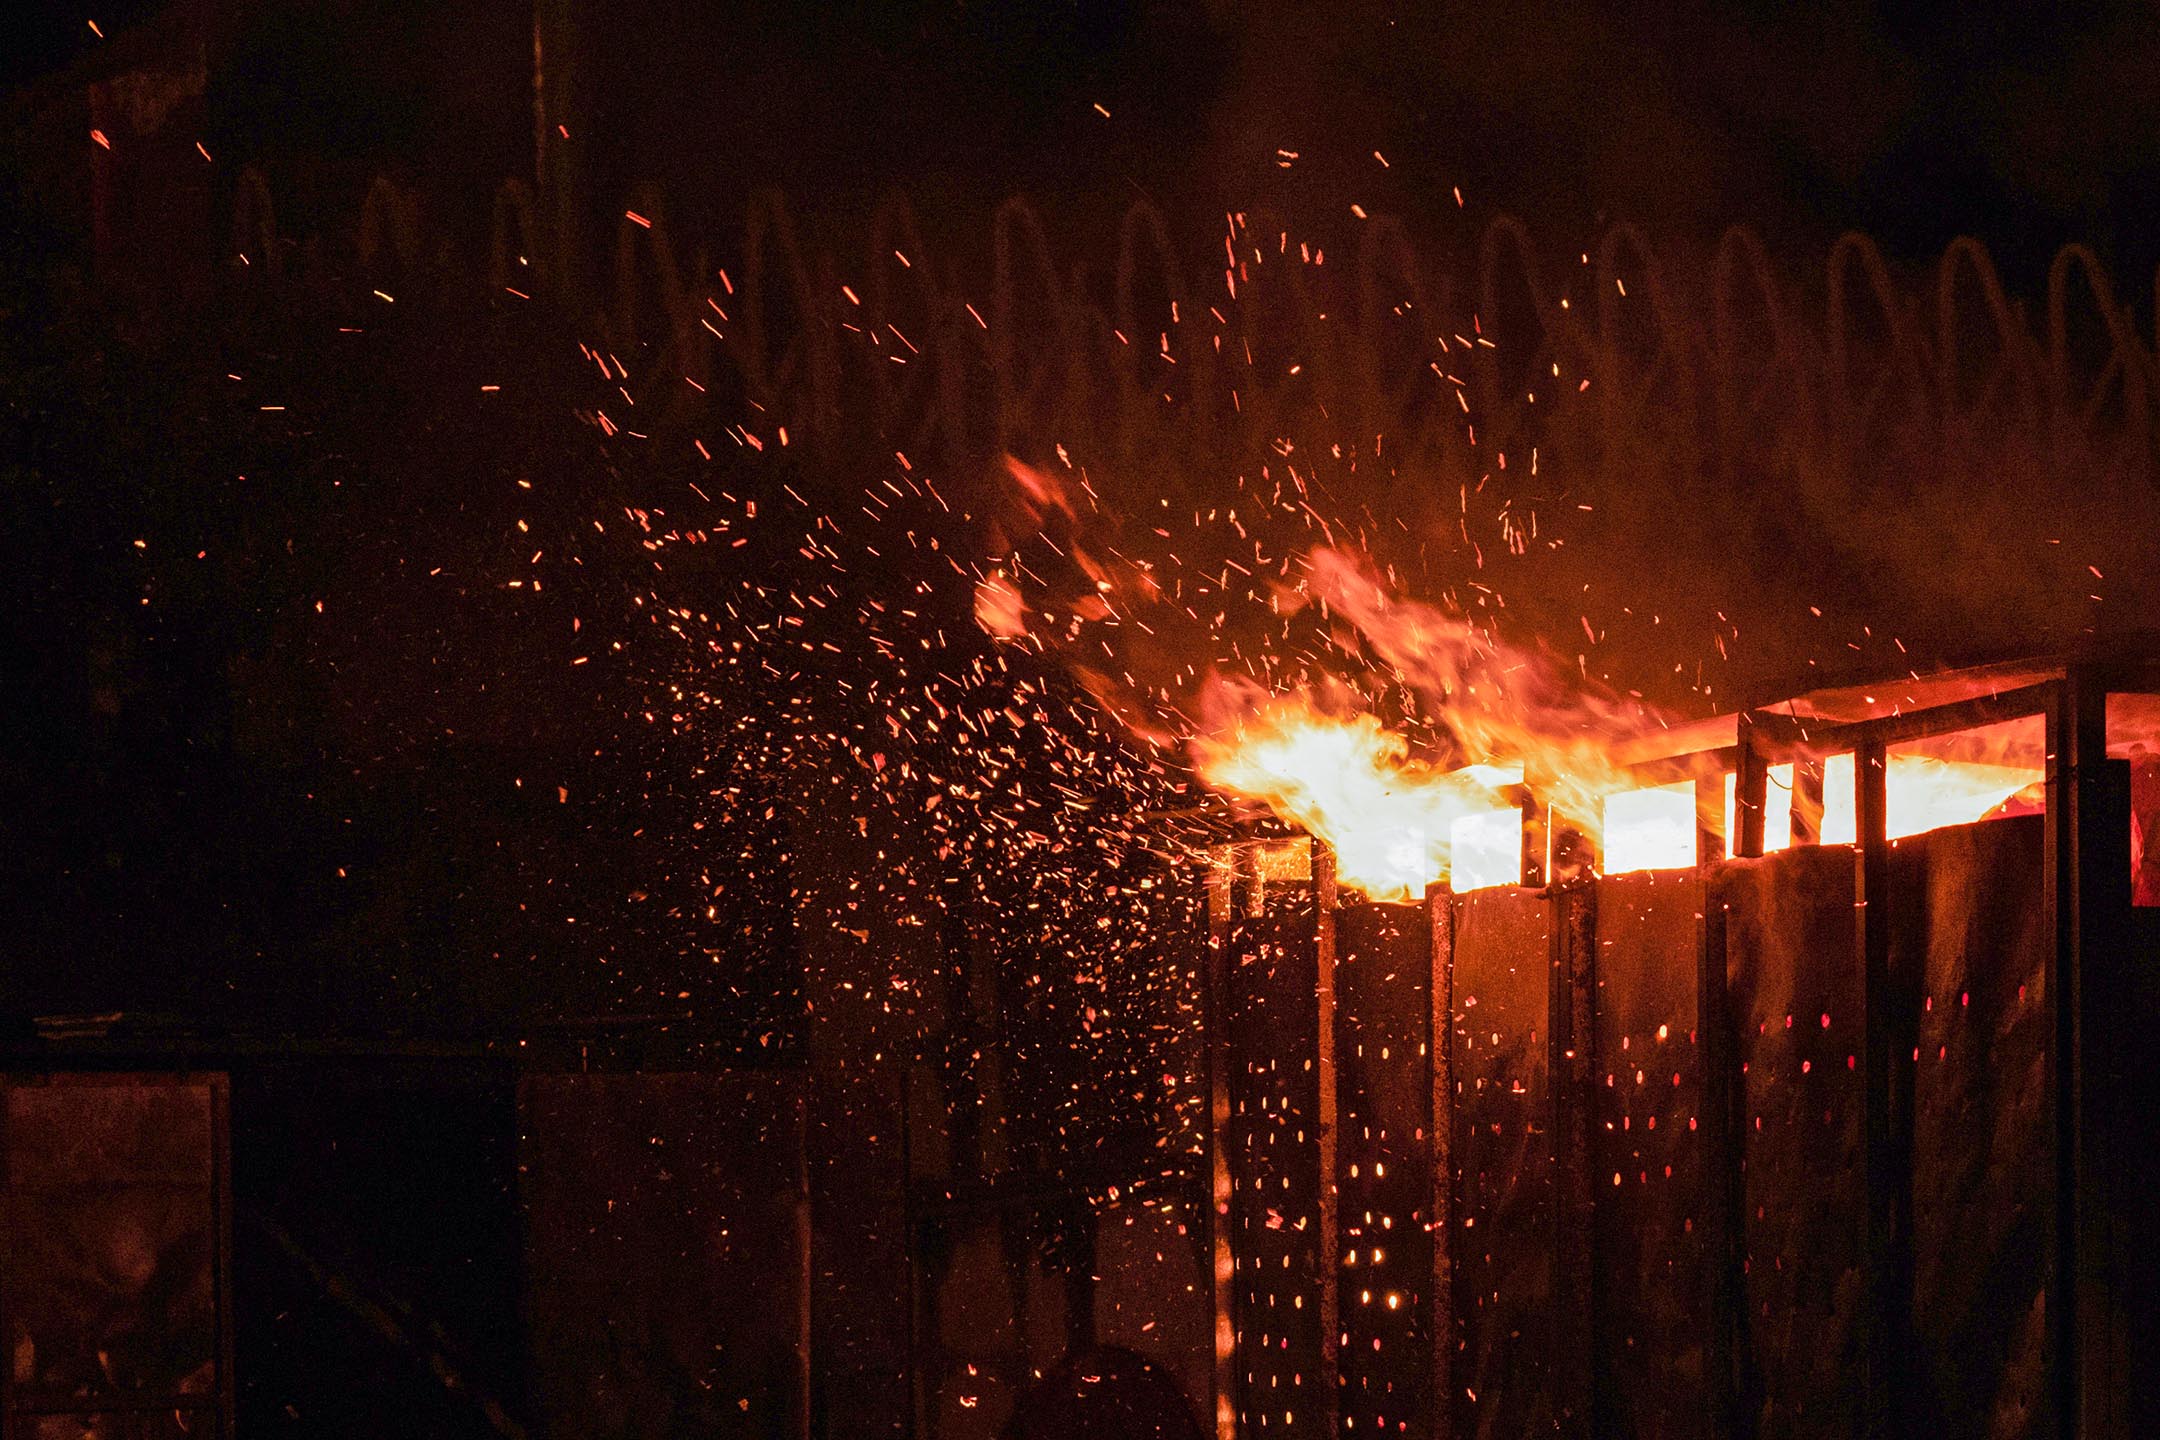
x,y
1440,908
1328,1243
1887,1107
1751,788
1215,1040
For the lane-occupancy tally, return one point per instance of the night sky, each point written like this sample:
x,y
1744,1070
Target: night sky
x,y
204,763
429,667
2026,125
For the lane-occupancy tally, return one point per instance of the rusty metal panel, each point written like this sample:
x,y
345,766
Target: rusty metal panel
x,y
1969,926
668,1225
1383,975
115,1255
1503,1236
1273,1015
1649,1160
1796,987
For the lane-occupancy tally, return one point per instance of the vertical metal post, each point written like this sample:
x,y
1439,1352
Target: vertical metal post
x,y
1709,819
1215,1040
2066,738
1572,1038
1328,1243
1751,788
1887,1116
1536,839
2094,982
1723,1195
1440,908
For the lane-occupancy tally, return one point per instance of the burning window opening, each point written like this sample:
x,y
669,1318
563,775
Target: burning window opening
x,y
1425,749
1399,825
1486,849
1650,829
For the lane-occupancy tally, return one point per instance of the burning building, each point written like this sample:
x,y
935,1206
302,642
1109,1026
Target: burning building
x,y
1815,1127
649,953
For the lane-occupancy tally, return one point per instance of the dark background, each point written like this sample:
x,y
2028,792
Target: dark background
x,y
281,754
2026,125
335,746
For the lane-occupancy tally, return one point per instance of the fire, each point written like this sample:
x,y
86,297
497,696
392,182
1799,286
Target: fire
x,y
1486,849
1651,828
1499,725
1960,779
1926,792
1398,823
999,608
1392,821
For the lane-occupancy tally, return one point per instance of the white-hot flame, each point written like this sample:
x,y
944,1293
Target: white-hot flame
x,y
1392,821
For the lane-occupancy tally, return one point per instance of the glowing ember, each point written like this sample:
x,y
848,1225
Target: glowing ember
x,y
999,608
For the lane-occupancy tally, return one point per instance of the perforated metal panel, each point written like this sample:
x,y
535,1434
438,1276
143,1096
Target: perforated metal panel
x,y
1383,981
1274,1078
1503,1236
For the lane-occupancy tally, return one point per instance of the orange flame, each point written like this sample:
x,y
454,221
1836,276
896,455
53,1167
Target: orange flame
x,y
1497,702
1929,791
1496,713
1392,821
999,608
1959,779
1397,823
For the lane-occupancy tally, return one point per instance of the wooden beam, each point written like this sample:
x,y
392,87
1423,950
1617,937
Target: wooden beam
x,y
1781,735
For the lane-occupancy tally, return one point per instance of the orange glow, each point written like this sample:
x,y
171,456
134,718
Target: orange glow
x,y
1947,780
1650,829
1959,779
1777,811
999,608
1391,820
1927,793
1398,824
1485,849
